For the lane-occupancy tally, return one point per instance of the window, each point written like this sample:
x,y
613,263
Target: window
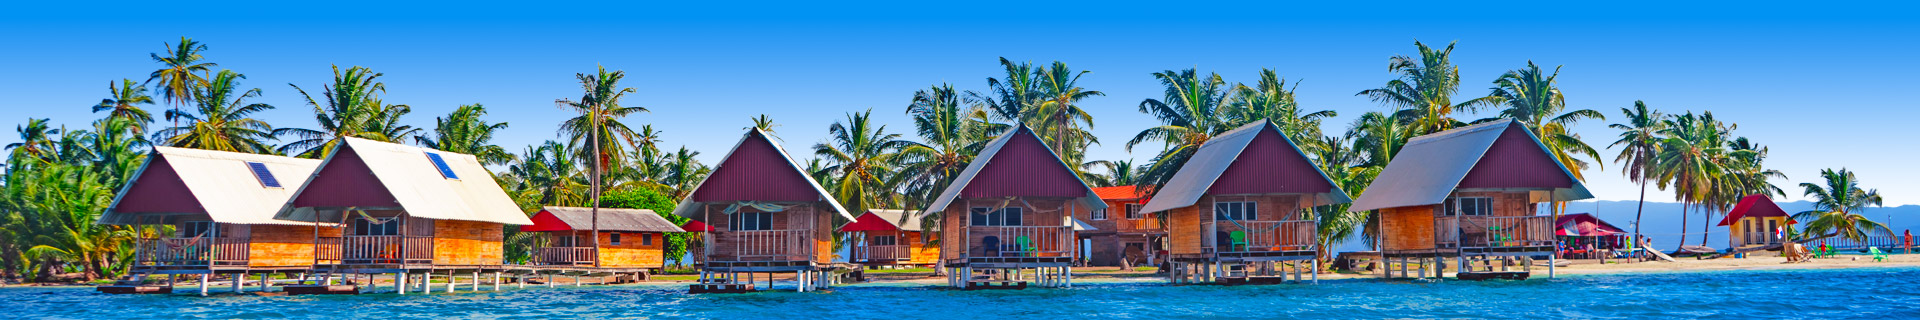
x,y
1002,217
366,227
1243,210
441,163
1133,211
646,239
260,172
199,229
749,221
1472,206
883,241
614,238
563,241
1098,214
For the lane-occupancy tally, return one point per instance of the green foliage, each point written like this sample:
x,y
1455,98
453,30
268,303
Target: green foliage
x,y
646,198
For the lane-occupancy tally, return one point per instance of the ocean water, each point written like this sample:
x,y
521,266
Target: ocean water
x,y
1886,293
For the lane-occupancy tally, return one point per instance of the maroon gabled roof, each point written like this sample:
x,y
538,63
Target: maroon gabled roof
x,y
755,171
158,189
1516,161
345,181
1269,164
1024,167
1758,205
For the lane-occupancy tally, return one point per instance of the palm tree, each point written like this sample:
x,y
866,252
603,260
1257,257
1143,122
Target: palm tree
x,y
598,132
1691,158
764,123
1272,100
684,172
1424,91
352,109
1013,97
1346,164
1837,206
1059,113
1379,137
1189,116
463,131
549,175
221,122
124,101
864,157
1640,143
182,75
1119,173
36,139
1531,97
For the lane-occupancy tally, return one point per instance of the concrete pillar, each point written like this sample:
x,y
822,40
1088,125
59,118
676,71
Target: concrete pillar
x,y
204,277
400,283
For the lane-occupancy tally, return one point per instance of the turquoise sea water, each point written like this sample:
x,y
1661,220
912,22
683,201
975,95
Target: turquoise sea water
x,y
1888,293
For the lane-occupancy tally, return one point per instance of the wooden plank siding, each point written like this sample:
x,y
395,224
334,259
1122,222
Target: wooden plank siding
x,y
283,245
816,217
1187,231
634,250
460,242
1036,211
1412,228
918,251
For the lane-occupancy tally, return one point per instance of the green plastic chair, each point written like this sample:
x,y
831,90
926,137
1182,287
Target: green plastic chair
x,y
1025,244
1239,239
1878,256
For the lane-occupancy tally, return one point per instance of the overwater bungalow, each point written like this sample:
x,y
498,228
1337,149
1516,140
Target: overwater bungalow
x,y
1756,222
763,215
408,211
221,207
1238,209
1122,235
631,240
1008,217
889,238
1471,194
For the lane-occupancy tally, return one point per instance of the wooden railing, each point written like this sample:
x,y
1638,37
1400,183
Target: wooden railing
x,y
1024,241
1262,236
375,250
1498,232
1146,224
769,245
565,256
882,253
179,252
1754,238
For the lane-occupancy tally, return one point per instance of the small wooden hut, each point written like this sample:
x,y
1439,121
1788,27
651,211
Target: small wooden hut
x,y
1756,221
407,211
1122,234
1472,194
889,238
1238,210
1008,217
766,215
630,239
221,207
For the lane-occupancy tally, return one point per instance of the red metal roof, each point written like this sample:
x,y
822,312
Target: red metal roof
x,y
345,181
1118,193
158,190
869,222
1024,168
545,221
755,171
1515,161
1270,165
696,226
1586,224
1753,206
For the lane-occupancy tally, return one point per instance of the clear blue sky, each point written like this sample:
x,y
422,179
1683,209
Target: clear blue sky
x,y
1824,87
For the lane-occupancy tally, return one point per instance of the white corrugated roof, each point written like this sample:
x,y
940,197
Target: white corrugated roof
x,y
895,216
687,206
1092,200
1429,167
418,186
613,219
223,185
1207,164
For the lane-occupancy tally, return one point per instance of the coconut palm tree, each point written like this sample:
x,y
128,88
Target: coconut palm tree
x,y
1013,97
182,74
463,131
598,132
1691,158
221,121
352,108
1346,164
1424,91
1640,143
1530,96
684,172
1272,100
1118,173
863,157
1058,113
36,139
124,101
549,175
1379,137
951,136
1837,206
1189,115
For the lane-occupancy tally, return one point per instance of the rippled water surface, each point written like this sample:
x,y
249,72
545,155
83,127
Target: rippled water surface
x,y
1890,293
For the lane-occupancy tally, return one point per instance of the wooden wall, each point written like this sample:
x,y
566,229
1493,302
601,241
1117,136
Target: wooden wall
x,y
284,245
818,213
1055,209
1406,228
633,251
460,242
919,252
1187,232
1184,234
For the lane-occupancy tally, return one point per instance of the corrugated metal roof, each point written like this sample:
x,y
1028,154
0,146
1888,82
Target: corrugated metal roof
x,y
218,184
746,178
1118,193
1430,167
611,219
1261,161
1758,205
992,152
405,174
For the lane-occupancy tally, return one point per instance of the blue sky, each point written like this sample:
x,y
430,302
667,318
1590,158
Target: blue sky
x,y
1824,87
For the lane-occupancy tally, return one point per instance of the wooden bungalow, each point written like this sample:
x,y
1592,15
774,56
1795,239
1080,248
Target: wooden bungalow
x,y
1472,194
221,206
405,210
1238,210
630,239
1122,234
1008,217
889,238
766,215
1756,222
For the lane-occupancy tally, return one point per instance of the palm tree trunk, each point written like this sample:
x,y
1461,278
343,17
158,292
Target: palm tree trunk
x,y
1706,225
1638,213
1683,225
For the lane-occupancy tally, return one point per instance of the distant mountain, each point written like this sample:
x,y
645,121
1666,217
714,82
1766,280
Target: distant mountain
x,y
1663,221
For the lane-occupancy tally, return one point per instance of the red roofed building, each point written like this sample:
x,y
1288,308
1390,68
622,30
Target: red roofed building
x,y
1755,221
1121,233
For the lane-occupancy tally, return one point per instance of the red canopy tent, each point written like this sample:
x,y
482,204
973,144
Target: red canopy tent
x,y
1584,225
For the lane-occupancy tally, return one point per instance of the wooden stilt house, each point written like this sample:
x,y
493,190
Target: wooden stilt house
x,y
405,210
630,239
1756,221
1471,194
1123,234
1238,210
221,206
765,215
1008,218
889,238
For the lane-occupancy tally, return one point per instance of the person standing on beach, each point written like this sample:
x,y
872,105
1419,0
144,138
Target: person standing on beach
x,y
1909,243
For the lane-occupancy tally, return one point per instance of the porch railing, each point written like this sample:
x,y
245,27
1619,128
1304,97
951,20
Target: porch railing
x,y
882,253
375,250
1501,232
178,252
1024,241
565,256
1754,238
1146,224
771,245
1261,236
